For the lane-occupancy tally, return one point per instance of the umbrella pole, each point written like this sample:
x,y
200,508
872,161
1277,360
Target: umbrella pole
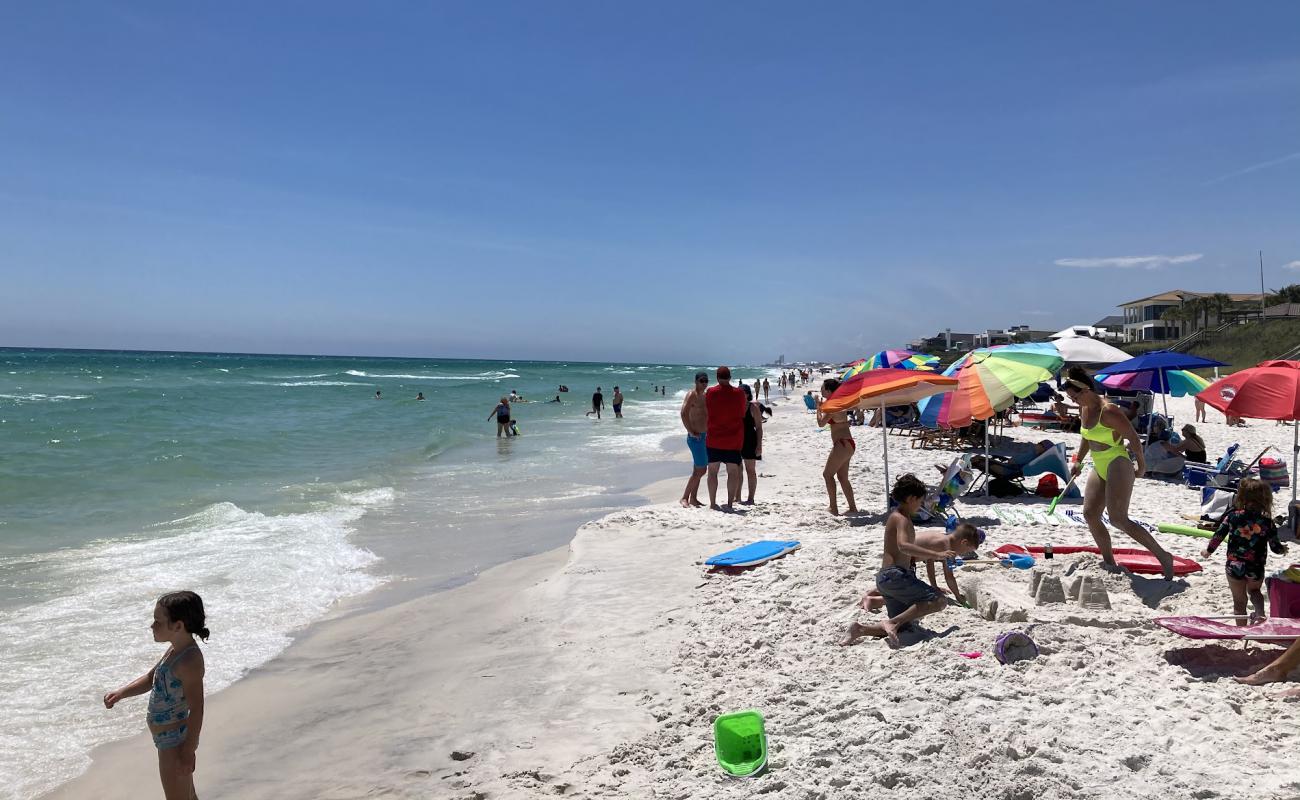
x,y
884,432
986,455
1295,453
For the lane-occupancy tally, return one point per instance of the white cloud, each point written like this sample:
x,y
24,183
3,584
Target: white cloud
x,y
1254,168
1037,313
1128,262
1291,265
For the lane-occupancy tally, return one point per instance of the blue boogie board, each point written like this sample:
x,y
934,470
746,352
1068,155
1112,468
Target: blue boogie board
x,y
752,554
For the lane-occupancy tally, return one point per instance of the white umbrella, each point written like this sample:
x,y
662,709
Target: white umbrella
x,y
1082,350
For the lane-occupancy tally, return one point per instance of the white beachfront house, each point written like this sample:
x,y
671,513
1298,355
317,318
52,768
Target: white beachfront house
x,y
1144,318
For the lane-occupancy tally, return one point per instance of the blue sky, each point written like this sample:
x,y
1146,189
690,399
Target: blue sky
x,y
651,181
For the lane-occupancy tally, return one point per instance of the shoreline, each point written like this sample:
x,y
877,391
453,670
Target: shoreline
x,y
291,691
596,670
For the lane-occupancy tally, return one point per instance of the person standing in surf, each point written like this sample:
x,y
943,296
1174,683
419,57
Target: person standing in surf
x,y
1109,437
597,403
618,403
502,413
695,418
175,713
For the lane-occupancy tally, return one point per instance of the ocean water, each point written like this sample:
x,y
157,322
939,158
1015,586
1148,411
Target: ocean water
x,y
276,487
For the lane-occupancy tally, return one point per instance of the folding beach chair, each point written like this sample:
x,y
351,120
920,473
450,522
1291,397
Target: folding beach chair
x,y
1200,474
1054,460
1225,628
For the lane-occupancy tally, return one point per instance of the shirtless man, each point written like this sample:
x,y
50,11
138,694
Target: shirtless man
x,y
906,597
695,418
618,403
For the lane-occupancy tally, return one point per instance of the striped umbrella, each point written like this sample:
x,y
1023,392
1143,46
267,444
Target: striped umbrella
x,y
878,388
891,359
902,359
990,380
1179,382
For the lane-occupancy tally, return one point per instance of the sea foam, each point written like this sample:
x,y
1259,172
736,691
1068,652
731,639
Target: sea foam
x,y
261,578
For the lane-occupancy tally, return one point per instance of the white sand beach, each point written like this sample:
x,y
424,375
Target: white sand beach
x,y
597,671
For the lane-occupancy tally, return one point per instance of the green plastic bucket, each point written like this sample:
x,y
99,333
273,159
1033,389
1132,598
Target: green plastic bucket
x,y
740,743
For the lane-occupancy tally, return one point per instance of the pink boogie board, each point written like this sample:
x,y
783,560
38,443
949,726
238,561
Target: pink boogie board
x,y
1132,559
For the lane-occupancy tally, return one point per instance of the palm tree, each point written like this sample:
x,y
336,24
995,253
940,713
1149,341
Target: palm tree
x,y
1287,294
1219,303
1177,315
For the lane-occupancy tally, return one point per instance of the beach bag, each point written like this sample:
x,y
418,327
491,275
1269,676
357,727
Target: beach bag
x,y
1001,487
1014,646
1048,486
1273,471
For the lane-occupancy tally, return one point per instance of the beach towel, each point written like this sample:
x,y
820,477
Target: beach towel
x,y
1226,628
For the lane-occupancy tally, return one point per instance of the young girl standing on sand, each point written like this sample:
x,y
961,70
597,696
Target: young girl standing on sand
x,y
175,713
1251,533
842,449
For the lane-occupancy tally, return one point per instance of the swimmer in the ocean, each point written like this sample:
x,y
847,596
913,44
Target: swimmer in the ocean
x,y
419,396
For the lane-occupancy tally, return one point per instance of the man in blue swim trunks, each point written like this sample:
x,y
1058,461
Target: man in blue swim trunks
x,y
695,418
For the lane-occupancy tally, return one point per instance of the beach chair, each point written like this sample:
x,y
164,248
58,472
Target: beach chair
x,y
1054,460
942,438
1200,474
810,402
1226,628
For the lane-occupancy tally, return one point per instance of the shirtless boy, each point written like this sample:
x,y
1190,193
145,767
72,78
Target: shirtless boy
x,y
905,596
695,418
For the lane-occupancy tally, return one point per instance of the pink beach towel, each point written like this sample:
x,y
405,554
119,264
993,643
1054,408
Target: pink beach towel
x,y
1209,628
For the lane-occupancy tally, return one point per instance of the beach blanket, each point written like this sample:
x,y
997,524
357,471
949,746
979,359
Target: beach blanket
x,y
1036,515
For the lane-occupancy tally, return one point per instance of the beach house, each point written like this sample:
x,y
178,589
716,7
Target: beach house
x,y
1170,315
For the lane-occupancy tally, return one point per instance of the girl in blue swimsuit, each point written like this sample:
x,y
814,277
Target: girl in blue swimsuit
x,y
175,683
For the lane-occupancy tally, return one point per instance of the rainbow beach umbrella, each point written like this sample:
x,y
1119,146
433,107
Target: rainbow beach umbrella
x,y
878,388
902,359
990,380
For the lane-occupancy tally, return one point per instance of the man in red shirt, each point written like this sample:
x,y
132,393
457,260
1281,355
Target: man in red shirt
x,y
726,405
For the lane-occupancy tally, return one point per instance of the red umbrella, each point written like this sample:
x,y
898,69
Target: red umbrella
x,y
1268,390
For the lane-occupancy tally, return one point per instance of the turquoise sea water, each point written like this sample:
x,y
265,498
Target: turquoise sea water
x,y
275,486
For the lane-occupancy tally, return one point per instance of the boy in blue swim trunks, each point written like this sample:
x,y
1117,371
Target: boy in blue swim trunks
x,y
695,418
907,598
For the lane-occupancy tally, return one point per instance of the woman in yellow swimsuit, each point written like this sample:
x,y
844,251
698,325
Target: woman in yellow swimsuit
x,y
1108,436
837,463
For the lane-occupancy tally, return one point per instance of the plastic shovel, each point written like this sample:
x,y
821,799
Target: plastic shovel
x,y
1016,560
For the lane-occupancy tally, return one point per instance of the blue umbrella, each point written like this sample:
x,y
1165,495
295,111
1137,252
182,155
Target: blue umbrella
x,y
1160,363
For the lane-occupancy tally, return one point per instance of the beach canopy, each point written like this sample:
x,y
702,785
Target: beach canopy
x,y
1177,382
1082,350
990,379
879,388
1268,390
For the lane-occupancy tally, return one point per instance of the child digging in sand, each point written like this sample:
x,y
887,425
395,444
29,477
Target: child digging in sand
x,y
963,539
906,597
1251,532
